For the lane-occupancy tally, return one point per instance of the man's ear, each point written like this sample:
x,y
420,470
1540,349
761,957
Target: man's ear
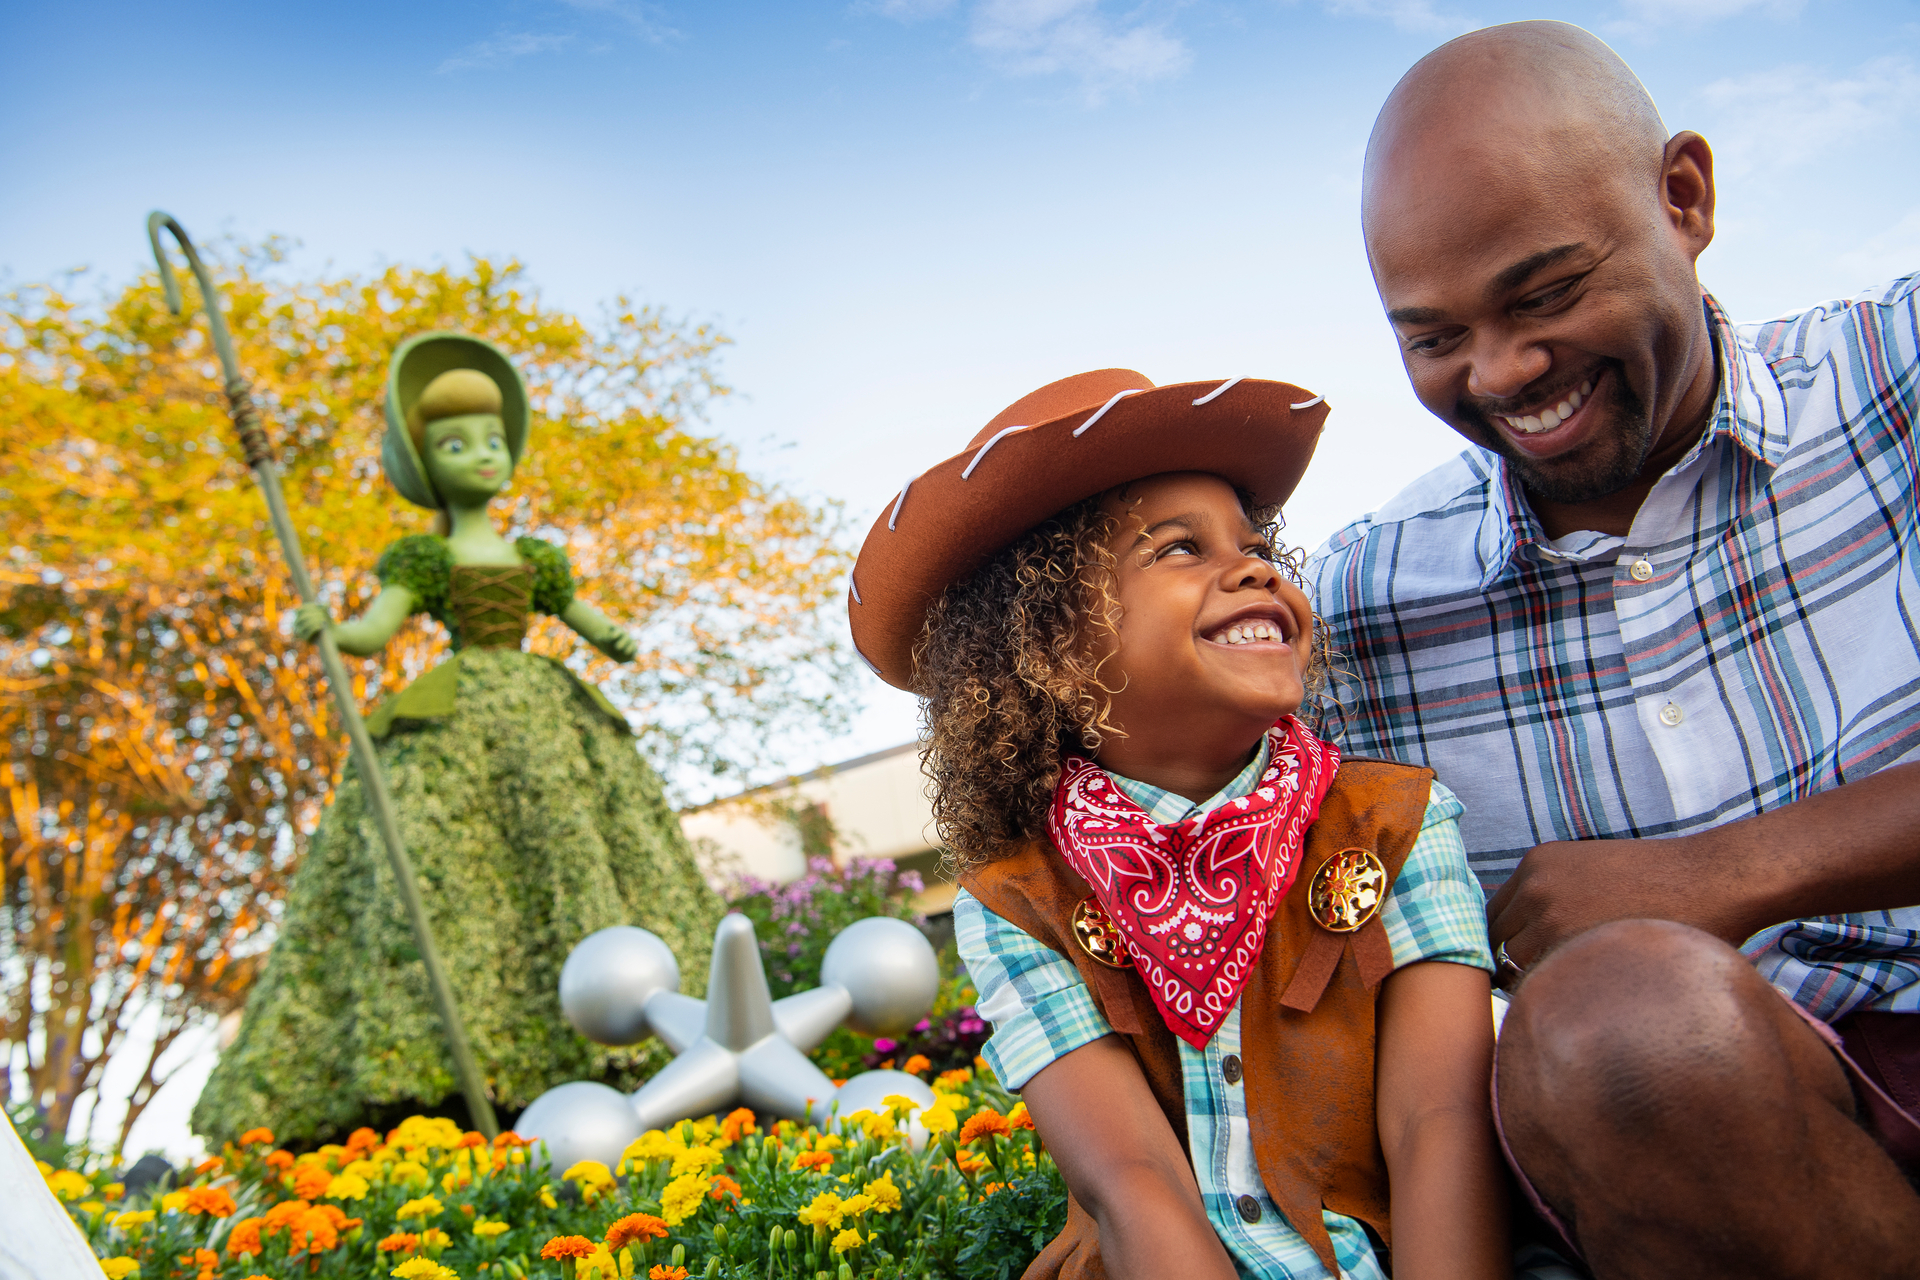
x,y
1686,190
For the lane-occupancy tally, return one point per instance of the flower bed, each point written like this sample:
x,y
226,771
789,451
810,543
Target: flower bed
x,y
710,1198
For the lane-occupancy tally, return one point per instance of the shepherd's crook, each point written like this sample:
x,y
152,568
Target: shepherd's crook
x,y
253,439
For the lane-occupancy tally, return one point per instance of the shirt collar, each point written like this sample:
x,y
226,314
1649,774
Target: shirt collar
x,y
1749,410
1170,807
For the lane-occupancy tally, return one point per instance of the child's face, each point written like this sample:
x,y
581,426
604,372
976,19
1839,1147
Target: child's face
x,y
1213,642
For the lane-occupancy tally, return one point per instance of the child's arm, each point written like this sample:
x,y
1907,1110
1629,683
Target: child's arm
x,y
1434,1058
1124,1165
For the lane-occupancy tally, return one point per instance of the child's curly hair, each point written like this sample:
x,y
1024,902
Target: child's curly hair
x,y
1010,684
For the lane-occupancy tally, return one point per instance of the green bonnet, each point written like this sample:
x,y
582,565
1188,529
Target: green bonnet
x,y
419,361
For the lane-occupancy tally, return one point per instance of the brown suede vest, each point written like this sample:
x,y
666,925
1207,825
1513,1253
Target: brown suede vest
x,y
1306,1017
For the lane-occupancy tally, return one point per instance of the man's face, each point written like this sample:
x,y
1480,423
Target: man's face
x,y
1212,639
1545,303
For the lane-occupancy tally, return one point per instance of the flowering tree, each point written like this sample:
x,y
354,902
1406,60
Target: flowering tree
x,y
167,746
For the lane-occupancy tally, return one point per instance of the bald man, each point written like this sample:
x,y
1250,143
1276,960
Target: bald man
x,y
1657,627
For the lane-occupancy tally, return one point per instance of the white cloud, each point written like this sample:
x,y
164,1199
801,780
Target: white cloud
x,y
1408,15
1642,14
1073,37
504,48
634,13
1885,256
905,10
1786,115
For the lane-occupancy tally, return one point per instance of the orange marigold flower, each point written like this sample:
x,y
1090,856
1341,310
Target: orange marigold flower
x,y
567,1247
400,1242
508,1138
724,1186
284,1213
737,1125
635,1226
984,1123
916,1064
362,1140
316,1231
262,1136
310,1180
1020,1117
969,1162
667,1273
210,1165
205,1261
280,1159
813,1160
217,1201
992,1187
472,1138
244,1240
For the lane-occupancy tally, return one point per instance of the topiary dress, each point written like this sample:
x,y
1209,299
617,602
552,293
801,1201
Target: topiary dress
x,y
531,820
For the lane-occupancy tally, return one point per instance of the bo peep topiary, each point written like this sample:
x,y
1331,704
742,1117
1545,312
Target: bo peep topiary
x,y
530,815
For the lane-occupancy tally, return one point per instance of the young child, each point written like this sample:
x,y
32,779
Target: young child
x,y
1241,984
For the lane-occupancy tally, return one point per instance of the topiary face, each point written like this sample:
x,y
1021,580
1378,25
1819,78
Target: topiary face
x,y
466,457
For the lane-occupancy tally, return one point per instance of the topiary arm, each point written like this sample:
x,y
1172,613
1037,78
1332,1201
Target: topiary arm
x,y
367,634
553,593
414,574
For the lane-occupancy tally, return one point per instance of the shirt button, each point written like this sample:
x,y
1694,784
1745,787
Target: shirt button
x,y
1230,1068
1640,570
1249,1208
1671,714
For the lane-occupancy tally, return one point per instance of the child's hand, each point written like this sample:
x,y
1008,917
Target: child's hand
x,y
309,620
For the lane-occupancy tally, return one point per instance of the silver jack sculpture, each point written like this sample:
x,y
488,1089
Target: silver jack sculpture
x,y
739,1046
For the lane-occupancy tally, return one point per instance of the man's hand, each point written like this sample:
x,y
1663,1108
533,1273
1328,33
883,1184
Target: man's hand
x,y
1854,848
1567,887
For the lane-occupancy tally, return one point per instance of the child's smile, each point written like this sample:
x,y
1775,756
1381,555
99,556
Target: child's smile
x,y
1213,641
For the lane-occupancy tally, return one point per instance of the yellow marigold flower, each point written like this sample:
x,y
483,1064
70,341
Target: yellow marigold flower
x,y
939,1118
874,1126
409,1173
360,1169
423,1269
828,1141
113,1191
488,1230
546,1198
424,1207
346,1186
588,1173
264,1137
91,1206
682,1198
132,1218
695,1160
118,1268
453,1179
653,1145
826,1210
173,1201
985,1123
952,1079
855,1205
435,1239
437,1133
886,1196
848,1239
68,1185
901,1105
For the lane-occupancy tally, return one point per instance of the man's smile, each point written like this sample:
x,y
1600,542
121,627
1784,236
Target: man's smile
x,y
1557,425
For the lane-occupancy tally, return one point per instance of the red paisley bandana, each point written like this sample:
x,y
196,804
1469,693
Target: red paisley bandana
x,y
1193,899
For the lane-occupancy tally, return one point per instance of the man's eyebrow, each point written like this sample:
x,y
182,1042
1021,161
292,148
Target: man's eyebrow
x,y
1416,315
1517,274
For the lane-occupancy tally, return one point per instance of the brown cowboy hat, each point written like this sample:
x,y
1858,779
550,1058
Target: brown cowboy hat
x,y
1066,442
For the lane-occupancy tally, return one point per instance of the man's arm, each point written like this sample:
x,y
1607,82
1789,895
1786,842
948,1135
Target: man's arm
x,y
1121,1160
1854,848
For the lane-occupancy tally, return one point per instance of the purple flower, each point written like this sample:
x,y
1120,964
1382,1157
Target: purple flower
x,y
884,1045
921,1026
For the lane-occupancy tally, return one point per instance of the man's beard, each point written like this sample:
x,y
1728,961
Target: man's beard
x,y
1608,463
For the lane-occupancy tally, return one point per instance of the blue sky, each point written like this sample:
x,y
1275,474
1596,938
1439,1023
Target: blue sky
x,y
911,212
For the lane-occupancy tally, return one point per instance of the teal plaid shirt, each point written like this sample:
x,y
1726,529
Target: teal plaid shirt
x,y
1041,1010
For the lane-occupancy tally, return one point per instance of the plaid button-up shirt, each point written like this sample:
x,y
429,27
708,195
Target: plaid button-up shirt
x,y
1754,639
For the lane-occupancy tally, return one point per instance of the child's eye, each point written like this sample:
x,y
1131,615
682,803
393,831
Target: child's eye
x,y
1181,548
